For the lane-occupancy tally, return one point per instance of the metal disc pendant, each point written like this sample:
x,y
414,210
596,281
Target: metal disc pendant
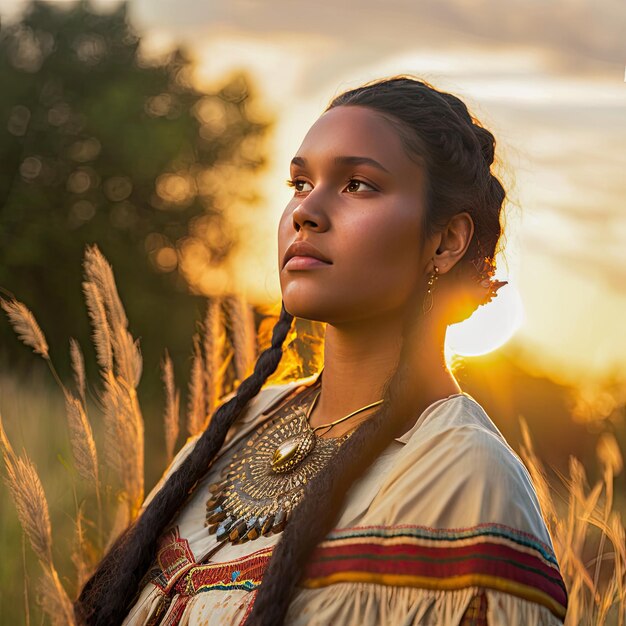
x,y
292,451
265,478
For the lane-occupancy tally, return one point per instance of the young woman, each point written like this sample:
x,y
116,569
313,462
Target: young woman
x,y
380,492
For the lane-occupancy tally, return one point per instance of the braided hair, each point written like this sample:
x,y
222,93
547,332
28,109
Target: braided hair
x,y
439,133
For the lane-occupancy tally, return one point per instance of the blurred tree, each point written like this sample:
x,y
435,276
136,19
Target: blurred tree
x,y
98,144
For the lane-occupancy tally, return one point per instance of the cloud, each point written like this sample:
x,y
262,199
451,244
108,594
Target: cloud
x,y
580,35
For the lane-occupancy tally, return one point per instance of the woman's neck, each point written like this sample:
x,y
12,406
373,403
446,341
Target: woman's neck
x,y
360,358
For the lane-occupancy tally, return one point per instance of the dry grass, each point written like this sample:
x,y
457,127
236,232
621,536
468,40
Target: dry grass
x,y
196,402
171,417
78,366
243,335
120,361
214,352
119,358
26,327
123,441
84,554
213,343
100,325
82,441
32,510
596,584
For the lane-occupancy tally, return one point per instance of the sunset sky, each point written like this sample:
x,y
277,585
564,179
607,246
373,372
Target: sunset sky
x,y
548,79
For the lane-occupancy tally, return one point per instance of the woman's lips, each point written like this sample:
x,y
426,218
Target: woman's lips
x,y
303,263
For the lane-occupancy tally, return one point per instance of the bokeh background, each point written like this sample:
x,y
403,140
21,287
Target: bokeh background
x,y
162,131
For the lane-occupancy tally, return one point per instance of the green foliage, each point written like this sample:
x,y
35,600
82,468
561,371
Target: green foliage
x,y
99,145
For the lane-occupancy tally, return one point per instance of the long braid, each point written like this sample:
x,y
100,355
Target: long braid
x,y
325,494
105,597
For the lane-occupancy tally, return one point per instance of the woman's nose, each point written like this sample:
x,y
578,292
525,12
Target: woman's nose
x,y
310,212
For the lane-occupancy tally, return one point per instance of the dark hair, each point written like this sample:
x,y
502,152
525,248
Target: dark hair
x,y
457,153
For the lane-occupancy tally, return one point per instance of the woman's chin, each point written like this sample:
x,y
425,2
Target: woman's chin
x,y
305,311
305,305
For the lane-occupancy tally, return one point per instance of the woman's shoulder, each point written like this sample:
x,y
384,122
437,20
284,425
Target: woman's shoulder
x,y
458,470
460,430
457,511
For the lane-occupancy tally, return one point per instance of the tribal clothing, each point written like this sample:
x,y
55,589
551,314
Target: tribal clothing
x,y
444,528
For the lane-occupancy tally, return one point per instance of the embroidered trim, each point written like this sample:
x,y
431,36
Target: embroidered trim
x,y
245,573
174,557
486,555
447,534
491,556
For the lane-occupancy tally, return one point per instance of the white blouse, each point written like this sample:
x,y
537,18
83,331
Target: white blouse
x,y
448,511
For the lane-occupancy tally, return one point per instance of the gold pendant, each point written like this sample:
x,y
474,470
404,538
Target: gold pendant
x,y
292,451
265,479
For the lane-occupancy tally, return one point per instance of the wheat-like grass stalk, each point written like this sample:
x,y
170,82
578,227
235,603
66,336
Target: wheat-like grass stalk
x,y
78,367
243,334
82,440
196,400
26,326
122,518
28,331
83,553
618,539
109,318
171,417
83,445
610,457
213,343
26,582
123,432
120,360
121,367
101,330
127,355
54,599
291,364
30,502
99,272
29,498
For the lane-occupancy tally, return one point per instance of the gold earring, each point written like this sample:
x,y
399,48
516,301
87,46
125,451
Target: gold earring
x,y
427,304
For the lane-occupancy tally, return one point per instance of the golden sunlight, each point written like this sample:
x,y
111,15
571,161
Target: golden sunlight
x,y
489,327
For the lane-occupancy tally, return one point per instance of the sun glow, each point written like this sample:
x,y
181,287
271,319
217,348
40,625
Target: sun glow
x,y
490,326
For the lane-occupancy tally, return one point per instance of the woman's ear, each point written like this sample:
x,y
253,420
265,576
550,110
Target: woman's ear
x,y
455,239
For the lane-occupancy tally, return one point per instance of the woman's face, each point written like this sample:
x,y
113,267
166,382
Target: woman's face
x,y
365,218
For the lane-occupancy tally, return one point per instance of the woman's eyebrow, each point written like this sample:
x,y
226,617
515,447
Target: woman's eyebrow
x,y
345,160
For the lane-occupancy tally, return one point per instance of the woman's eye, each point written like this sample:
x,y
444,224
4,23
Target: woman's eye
x,y
295,183
354,181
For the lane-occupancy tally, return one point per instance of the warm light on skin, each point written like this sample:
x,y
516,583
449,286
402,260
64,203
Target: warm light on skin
x,y
489,327
358,199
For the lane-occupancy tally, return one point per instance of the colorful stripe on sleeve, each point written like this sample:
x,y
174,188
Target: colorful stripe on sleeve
x,y
489,555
